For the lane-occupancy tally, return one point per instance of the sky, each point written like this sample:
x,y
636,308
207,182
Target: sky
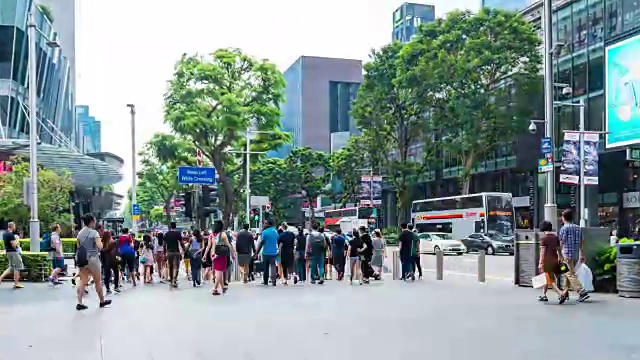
x,y
126,49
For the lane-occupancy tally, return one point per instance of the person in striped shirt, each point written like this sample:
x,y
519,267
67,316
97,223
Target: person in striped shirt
x,y
572,244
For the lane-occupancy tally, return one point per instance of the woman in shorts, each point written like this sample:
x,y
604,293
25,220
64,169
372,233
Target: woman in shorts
x,y
89,244
550,255
159,256
356,246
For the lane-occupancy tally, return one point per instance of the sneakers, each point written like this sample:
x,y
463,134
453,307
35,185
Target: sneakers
x,y
18,286
583,296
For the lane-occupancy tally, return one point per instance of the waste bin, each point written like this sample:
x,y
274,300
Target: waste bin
x,y
628,270
526,257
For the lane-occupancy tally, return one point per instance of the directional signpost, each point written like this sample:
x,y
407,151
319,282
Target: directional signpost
x,y
545,164
135,211
192,175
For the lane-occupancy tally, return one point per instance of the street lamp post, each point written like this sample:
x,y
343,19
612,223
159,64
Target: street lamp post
x,y
34,222
132,111
550,206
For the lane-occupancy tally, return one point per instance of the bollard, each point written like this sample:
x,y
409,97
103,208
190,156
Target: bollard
x,y
482,255
395,268
439,265
237,276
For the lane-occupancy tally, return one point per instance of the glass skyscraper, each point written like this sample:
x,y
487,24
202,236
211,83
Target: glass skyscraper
x,y
57,122
408,17
91,130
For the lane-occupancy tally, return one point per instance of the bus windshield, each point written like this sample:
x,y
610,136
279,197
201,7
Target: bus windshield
x,y
500,217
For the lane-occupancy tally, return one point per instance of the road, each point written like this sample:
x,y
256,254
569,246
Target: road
x,y
457,318
498,267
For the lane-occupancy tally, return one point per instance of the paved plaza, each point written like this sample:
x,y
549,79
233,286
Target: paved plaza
x,y
457,318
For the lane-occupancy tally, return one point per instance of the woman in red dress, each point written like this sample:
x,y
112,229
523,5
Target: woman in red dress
x,y
220,247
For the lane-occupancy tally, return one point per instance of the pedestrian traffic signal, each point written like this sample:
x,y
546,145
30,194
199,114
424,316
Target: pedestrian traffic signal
x,y
188,204
209,195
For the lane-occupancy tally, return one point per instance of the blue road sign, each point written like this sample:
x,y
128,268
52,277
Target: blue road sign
x,y
546,147
135,210
191,175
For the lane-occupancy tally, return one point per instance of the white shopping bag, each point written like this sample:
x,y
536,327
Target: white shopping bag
x,y
539,280
585,276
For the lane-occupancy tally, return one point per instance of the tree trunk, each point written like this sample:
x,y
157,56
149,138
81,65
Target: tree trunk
x,y
402,198
469,161
312,210
167,206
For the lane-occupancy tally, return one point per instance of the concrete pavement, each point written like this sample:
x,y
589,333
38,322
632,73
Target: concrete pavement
x,y
453,319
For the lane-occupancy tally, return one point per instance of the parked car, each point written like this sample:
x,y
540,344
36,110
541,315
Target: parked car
x,y
432,242
492,243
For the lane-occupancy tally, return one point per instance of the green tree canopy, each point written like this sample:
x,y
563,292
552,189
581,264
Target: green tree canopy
x,y
213,100
393,124
158,176
47,12
477,73
309,173
271,177
54,199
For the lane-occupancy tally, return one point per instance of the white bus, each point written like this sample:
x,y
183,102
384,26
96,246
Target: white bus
x,y
348,219
464,215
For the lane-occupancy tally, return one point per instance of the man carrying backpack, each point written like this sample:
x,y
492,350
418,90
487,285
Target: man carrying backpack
x,y
316,247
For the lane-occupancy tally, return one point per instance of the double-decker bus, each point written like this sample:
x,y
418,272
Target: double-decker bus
x,y
464,215
348,219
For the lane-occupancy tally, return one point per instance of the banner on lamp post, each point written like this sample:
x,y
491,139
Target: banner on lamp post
x,y
590,156
570,166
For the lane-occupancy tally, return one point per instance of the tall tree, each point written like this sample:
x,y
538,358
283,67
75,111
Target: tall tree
x,y
480,70
309,172
345,165
271,177
213,100
53,195
394,126
160,159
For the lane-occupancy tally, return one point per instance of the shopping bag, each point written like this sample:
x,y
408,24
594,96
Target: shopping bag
x,y
585,276
539,281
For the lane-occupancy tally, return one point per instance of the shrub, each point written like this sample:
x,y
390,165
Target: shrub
x,y
68,245
37,266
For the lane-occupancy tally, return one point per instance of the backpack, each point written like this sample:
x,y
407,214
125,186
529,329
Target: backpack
x,y
46,242
317,242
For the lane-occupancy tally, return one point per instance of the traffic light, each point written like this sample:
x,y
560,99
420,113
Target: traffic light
x,y
209,195
188,204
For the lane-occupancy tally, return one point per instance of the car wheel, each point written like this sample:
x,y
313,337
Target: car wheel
x,y
460,254
491,250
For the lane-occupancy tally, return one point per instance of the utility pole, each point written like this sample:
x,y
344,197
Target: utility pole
x,y
132,111
550,207
34,222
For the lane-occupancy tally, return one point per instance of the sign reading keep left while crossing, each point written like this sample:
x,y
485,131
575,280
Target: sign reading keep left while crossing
x,y
191,175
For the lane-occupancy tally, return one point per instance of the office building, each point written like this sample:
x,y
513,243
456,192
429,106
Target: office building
x,y
408,17
583,31
318,97
59,133
91,130
65,19
512,5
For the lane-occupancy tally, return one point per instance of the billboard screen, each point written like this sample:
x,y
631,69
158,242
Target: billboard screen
x,y
622,93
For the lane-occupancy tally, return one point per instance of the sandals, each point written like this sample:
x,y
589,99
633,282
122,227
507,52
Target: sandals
x,y
543,298
563,298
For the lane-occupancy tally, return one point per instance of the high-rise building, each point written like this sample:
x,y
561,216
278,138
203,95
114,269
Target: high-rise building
x,y
91,130
319,94
513,5
58,130
65,14
408,17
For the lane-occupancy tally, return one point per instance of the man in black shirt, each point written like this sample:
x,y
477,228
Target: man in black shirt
x,y
286,242
245,247
406,243
174,248
367,254
12,247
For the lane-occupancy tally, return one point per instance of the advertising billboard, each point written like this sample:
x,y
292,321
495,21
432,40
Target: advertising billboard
x,y
622,93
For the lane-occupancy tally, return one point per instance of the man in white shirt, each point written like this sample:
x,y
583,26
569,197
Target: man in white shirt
x,y
57,257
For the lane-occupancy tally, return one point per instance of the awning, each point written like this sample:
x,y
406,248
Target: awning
x,y
331,221
84,170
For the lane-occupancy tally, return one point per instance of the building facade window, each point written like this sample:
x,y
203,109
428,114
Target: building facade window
x,y
341,97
